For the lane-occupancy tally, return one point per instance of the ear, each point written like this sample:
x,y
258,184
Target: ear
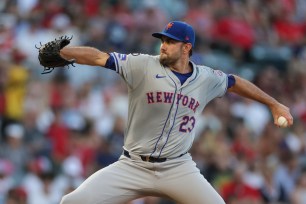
x,y
187,47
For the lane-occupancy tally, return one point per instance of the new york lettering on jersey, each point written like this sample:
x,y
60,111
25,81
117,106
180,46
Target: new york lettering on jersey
x,y
167,97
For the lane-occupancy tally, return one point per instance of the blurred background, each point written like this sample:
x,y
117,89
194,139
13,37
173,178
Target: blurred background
x,y
59,128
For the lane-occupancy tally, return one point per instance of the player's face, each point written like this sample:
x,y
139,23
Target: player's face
x,y
170,51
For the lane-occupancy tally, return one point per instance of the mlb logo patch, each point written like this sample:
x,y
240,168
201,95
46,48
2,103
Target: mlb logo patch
x,y
218,72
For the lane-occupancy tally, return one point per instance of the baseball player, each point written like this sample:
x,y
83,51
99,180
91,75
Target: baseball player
x,y
167,94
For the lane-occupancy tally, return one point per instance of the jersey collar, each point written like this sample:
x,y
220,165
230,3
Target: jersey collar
x,y
190,79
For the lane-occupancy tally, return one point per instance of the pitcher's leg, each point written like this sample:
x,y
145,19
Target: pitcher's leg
x,y
115,184
193,188
184,184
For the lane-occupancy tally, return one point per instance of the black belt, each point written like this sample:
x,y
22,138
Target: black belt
x,y
149,158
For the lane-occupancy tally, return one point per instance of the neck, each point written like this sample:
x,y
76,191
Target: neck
x,y
182,66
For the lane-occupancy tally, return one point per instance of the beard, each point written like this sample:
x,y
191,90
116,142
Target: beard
x,y
167,61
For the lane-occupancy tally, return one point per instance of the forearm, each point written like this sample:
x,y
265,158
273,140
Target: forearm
x,y
85,55
247,89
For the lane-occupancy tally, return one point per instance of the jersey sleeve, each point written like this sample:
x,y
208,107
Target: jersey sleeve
x,y
131,67
218,83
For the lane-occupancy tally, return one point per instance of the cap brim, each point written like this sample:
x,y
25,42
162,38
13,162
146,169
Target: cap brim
x,y
161,34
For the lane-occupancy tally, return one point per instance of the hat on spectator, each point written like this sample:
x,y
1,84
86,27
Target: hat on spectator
x,y
61,21
72,166
179,31
40,165
15,131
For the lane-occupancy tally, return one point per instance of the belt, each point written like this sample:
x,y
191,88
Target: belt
x,y
149,158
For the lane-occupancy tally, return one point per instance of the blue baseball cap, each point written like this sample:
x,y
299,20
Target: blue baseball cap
x,y
179,31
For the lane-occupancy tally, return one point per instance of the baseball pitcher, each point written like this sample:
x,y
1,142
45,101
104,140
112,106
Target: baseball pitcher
x,y
167,93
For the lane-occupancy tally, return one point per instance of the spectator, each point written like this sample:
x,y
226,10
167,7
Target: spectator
x,y
298,195
14,150
6,178
238,191
39,182
16,196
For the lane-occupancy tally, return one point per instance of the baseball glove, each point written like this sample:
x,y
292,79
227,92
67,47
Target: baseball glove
x,y
49,54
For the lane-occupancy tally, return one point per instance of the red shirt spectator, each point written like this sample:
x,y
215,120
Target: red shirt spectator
x,y
240,148
234,31
91,7
289,31
59,137
239,191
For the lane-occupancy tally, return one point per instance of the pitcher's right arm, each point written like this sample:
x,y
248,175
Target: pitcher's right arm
x,y
85,55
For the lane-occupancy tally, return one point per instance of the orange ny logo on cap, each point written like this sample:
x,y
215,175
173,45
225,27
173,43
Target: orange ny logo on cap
x,y
169,26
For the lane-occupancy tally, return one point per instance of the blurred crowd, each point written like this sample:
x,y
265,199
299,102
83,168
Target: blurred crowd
x,y
59,128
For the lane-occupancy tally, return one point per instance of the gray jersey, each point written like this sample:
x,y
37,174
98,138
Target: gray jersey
x,y
162,111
